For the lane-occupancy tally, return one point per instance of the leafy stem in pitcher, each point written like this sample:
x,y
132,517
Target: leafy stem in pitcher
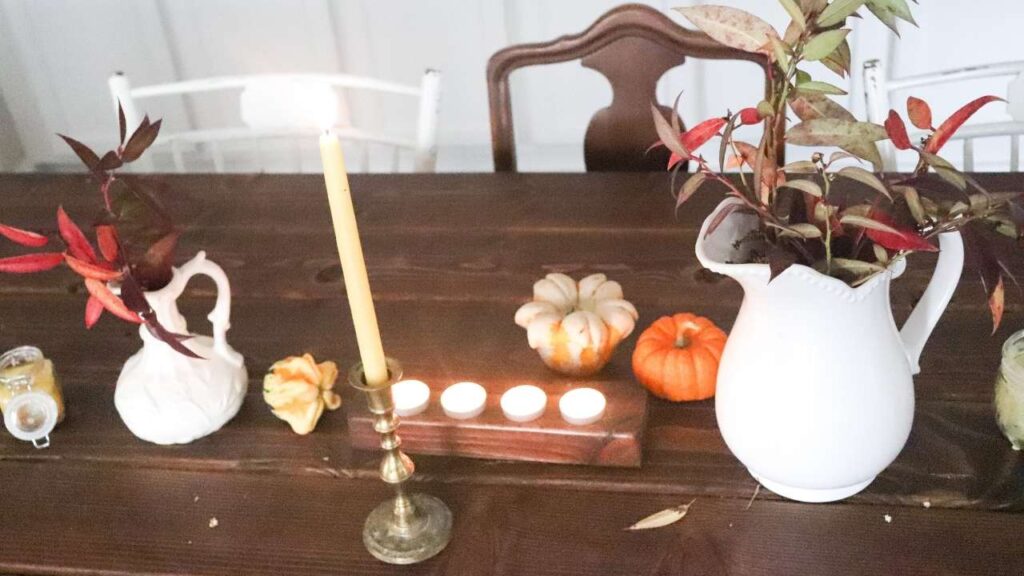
x,y
803,218
134,238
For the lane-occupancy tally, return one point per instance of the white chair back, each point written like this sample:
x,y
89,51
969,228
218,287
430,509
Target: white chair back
x,y
291,106
878,88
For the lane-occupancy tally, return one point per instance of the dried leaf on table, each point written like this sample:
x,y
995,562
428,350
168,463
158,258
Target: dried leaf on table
x,y
663,518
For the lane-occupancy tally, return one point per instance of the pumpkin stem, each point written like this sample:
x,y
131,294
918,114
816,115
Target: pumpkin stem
x,y
682,334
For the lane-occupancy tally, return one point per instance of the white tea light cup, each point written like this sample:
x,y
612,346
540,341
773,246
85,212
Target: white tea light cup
x,y
523,403
463,400
411,397
582,406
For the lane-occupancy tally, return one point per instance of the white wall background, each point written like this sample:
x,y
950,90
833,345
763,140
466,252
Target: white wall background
x,y
55,56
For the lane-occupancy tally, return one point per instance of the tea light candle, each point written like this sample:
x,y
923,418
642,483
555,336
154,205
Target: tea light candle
x,y
411,397
523,403
582,406
463,400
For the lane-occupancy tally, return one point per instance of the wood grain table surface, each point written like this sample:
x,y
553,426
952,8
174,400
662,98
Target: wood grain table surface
x,y
451,257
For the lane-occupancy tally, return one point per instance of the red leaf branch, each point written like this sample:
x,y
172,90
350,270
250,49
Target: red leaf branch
x,y
78,244
946,130
29,263
23,237
110,301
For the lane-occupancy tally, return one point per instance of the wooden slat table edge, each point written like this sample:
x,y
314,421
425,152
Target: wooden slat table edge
x,y
498,530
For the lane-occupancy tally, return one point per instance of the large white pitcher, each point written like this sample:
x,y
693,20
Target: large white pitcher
x,y
165,397
815,391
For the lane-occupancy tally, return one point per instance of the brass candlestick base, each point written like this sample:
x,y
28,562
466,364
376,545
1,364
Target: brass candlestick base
x,y
409,528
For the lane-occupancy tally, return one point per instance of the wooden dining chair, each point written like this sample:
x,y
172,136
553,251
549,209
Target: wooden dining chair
x,y
878,88
632,46
291,106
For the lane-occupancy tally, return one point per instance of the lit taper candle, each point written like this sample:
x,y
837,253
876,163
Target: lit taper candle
x,y
353,267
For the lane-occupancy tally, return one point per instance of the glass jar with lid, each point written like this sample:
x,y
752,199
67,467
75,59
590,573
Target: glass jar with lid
x,y
30,395
1009,393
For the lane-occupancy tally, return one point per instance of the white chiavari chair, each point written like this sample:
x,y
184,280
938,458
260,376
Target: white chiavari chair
x,y
288,106
878,88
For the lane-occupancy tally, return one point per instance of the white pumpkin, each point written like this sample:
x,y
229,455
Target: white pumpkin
x,y
576,327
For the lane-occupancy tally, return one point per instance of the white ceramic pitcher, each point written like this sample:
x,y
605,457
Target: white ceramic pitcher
x,y
165,397
815,391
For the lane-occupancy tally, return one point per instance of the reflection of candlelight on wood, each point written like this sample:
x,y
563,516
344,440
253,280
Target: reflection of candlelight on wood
x,y
523,403
411,397
582,406
463,400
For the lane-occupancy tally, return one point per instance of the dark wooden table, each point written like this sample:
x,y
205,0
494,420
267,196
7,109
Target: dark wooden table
x,y
451,257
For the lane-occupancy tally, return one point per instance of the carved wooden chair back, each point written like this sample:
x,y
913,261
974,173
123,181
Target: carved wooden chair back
x,y
632,46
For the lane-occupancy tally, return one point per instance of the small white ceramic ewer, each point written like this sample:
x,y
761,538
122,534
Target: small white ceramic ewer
x,y
815,392
165,397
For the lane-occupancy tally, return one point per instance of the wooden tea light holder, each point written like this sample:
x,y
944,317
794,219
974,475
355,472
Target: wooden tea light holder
x,y
580,421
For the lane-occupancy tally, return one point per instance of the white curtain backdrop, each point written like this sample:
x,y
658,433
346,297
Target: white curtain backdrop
x,y
55,57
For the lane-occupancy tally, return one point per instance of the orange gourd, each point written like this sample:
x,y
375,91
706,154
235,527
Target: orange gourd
x,y
676,358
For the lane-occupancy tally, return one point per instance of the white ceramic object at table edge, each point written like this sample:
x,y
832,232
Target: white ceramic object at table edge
x,y
815,390
165,397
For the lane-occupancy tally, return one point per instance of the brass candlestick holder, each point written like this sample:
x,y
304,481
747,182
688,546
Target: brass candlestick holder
x,y
408,528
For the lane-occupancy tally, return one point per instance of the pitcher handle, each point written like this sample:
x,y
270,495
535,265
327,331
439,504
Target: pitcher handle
x,y
926,313
220,316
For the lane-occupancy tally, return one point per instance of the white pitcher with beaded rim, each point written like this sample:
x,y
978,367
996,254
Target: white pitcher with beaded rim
x,y
166,397
815,390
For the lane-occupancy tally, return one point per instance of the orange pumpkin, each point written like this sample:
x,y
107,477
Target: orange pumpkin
x,y
676,358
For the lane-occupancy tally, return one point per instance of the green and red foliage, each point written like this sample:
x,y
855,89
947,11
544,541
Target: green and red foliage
x,y
804,218
134,233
